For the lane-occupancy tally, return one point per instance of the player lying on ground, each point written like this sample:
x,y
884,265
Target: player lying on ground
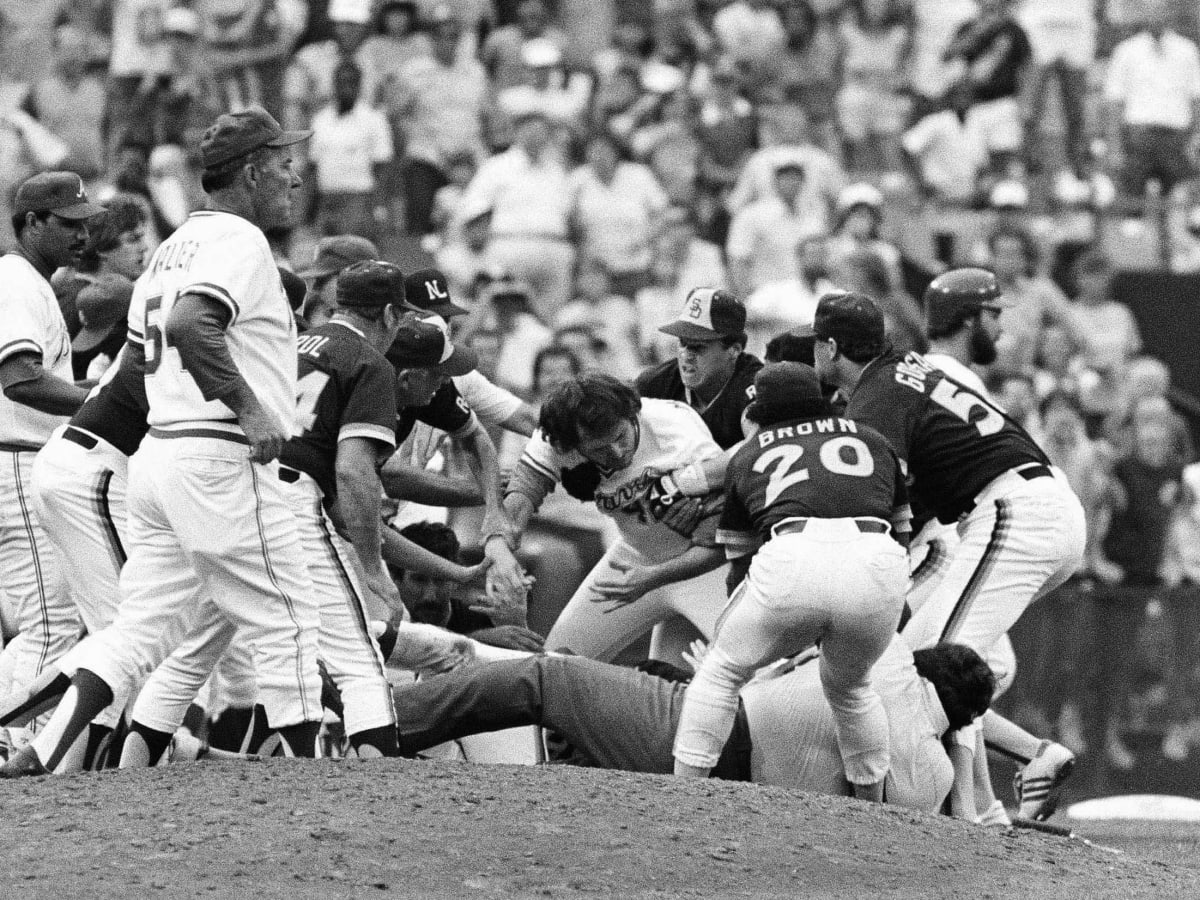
x,y
619,718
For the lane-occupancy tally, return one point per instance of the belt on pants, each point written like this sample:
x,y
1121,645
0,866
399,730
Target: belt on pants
x,y
797,526
288,476
80,437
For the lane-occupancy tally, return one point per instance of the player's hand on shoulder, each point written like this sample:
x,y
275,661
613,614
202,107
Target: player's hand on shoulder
x,y
265,432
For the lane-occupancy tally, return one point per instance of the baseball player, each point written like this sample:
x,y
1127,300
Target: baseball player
x,y
1020,527
962,322
50,213
208,517
605,444
814,499
714,375
346,415
331,256
619,718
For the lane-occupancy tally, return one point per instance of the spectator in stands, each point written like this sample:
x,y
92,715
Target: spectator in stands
x,y
617,205
1035,300
506,307
436,103
395,44
663,135
727,126
1146,493
527,189
995,52
1181,603
935,22
858,225
947,152
763,235
332,254
1107,329
1062,34
751,32
247,44
807,72
351,148
501,52
70,102
192,96
609,315
309,81
1146,378
1152,94
139,56
549,85
871,110
1017,395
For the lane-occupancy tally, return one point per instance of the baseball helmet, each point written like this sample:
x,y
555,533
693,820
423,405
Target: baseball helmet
x,y
955,296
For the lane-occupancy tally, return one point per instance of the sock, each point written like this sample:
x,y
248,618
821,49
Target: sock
x,y
98,738
1008,739
83,701
144,746
383,741
194,718
229,730
40,696
300,740
258,731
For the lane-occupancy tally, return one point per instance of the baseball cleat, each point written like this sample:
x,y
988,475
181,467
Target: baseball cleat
x,y
996,816
1037,785
23,764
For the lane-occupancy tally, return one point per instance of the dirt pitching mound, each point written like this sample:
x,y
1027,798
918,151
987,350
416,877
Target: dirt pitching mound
x,y
443,830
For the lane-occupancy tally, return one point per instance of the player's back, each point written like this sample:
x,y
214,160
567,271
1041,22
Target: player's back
x,y
952,440
224,258
826,467
346,388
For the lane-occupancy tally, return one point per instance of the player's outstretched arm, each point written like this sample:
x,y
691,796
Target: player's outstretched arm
x,y
404,481
400,552
358,509
196,328
485,466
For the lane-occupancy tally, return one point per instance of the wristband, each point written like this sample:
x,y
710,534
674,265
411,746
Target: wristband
x,y
691,480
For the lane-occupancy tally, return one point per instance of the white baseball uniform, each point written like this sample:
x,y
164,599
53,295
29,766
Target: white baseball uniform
x,y
205,520
671,435
47,622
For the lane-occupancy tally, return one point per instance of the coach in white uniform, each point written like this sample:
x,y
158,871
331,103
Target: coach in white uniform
x,y
50,220
207,515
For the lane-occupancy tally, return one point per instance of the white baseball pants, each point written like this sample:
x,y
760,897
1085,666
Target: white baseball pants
x,y
831,583
593,626
346,646
47,620
206,522
1022,540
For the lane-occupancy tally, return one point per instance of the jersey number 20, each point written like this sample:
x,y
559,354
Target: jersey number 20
x,y
782,460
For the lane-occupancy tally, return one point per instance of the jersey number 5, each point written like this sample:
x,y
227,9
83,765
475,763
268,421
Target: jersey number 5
x,y
963,404
833,454
154,341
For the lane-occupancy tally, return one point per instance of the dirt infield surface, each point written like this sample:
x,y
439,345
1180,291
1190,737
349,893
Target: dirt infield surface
x,y
445,830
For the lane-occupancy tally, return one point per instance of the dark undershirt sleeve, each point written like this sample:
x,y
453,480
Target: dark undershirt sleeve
x,y
196,328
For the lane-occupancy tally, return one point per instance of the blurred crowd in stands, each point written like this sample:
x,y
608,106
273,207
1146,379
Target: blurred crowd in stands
x,y
575,167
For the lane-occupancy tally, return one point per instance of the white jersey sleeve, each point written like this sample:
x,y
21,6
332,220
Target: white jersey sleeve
x,y
492,403
540,456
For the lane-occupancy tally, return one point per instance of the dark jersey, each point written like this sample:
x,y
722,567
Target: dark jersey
x,y
447,411
724,415
951,440
346,389
825,468
116,408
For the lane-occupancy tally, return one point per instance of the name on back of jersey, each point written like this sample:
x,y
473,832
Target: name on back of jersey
x,y
912,371
173,255
311,344
832,425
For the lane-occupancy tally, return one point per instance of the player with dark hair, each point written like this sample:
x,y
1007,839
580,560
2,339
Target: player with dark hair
x,y
608,446
816,512
1021,528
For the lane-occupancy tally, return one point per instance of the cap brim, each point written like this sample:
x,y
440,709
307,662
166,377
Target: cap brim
x,y
318,272
1000,302
78,211
689,331
447,310
90,338
806,331
288,138
461,361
